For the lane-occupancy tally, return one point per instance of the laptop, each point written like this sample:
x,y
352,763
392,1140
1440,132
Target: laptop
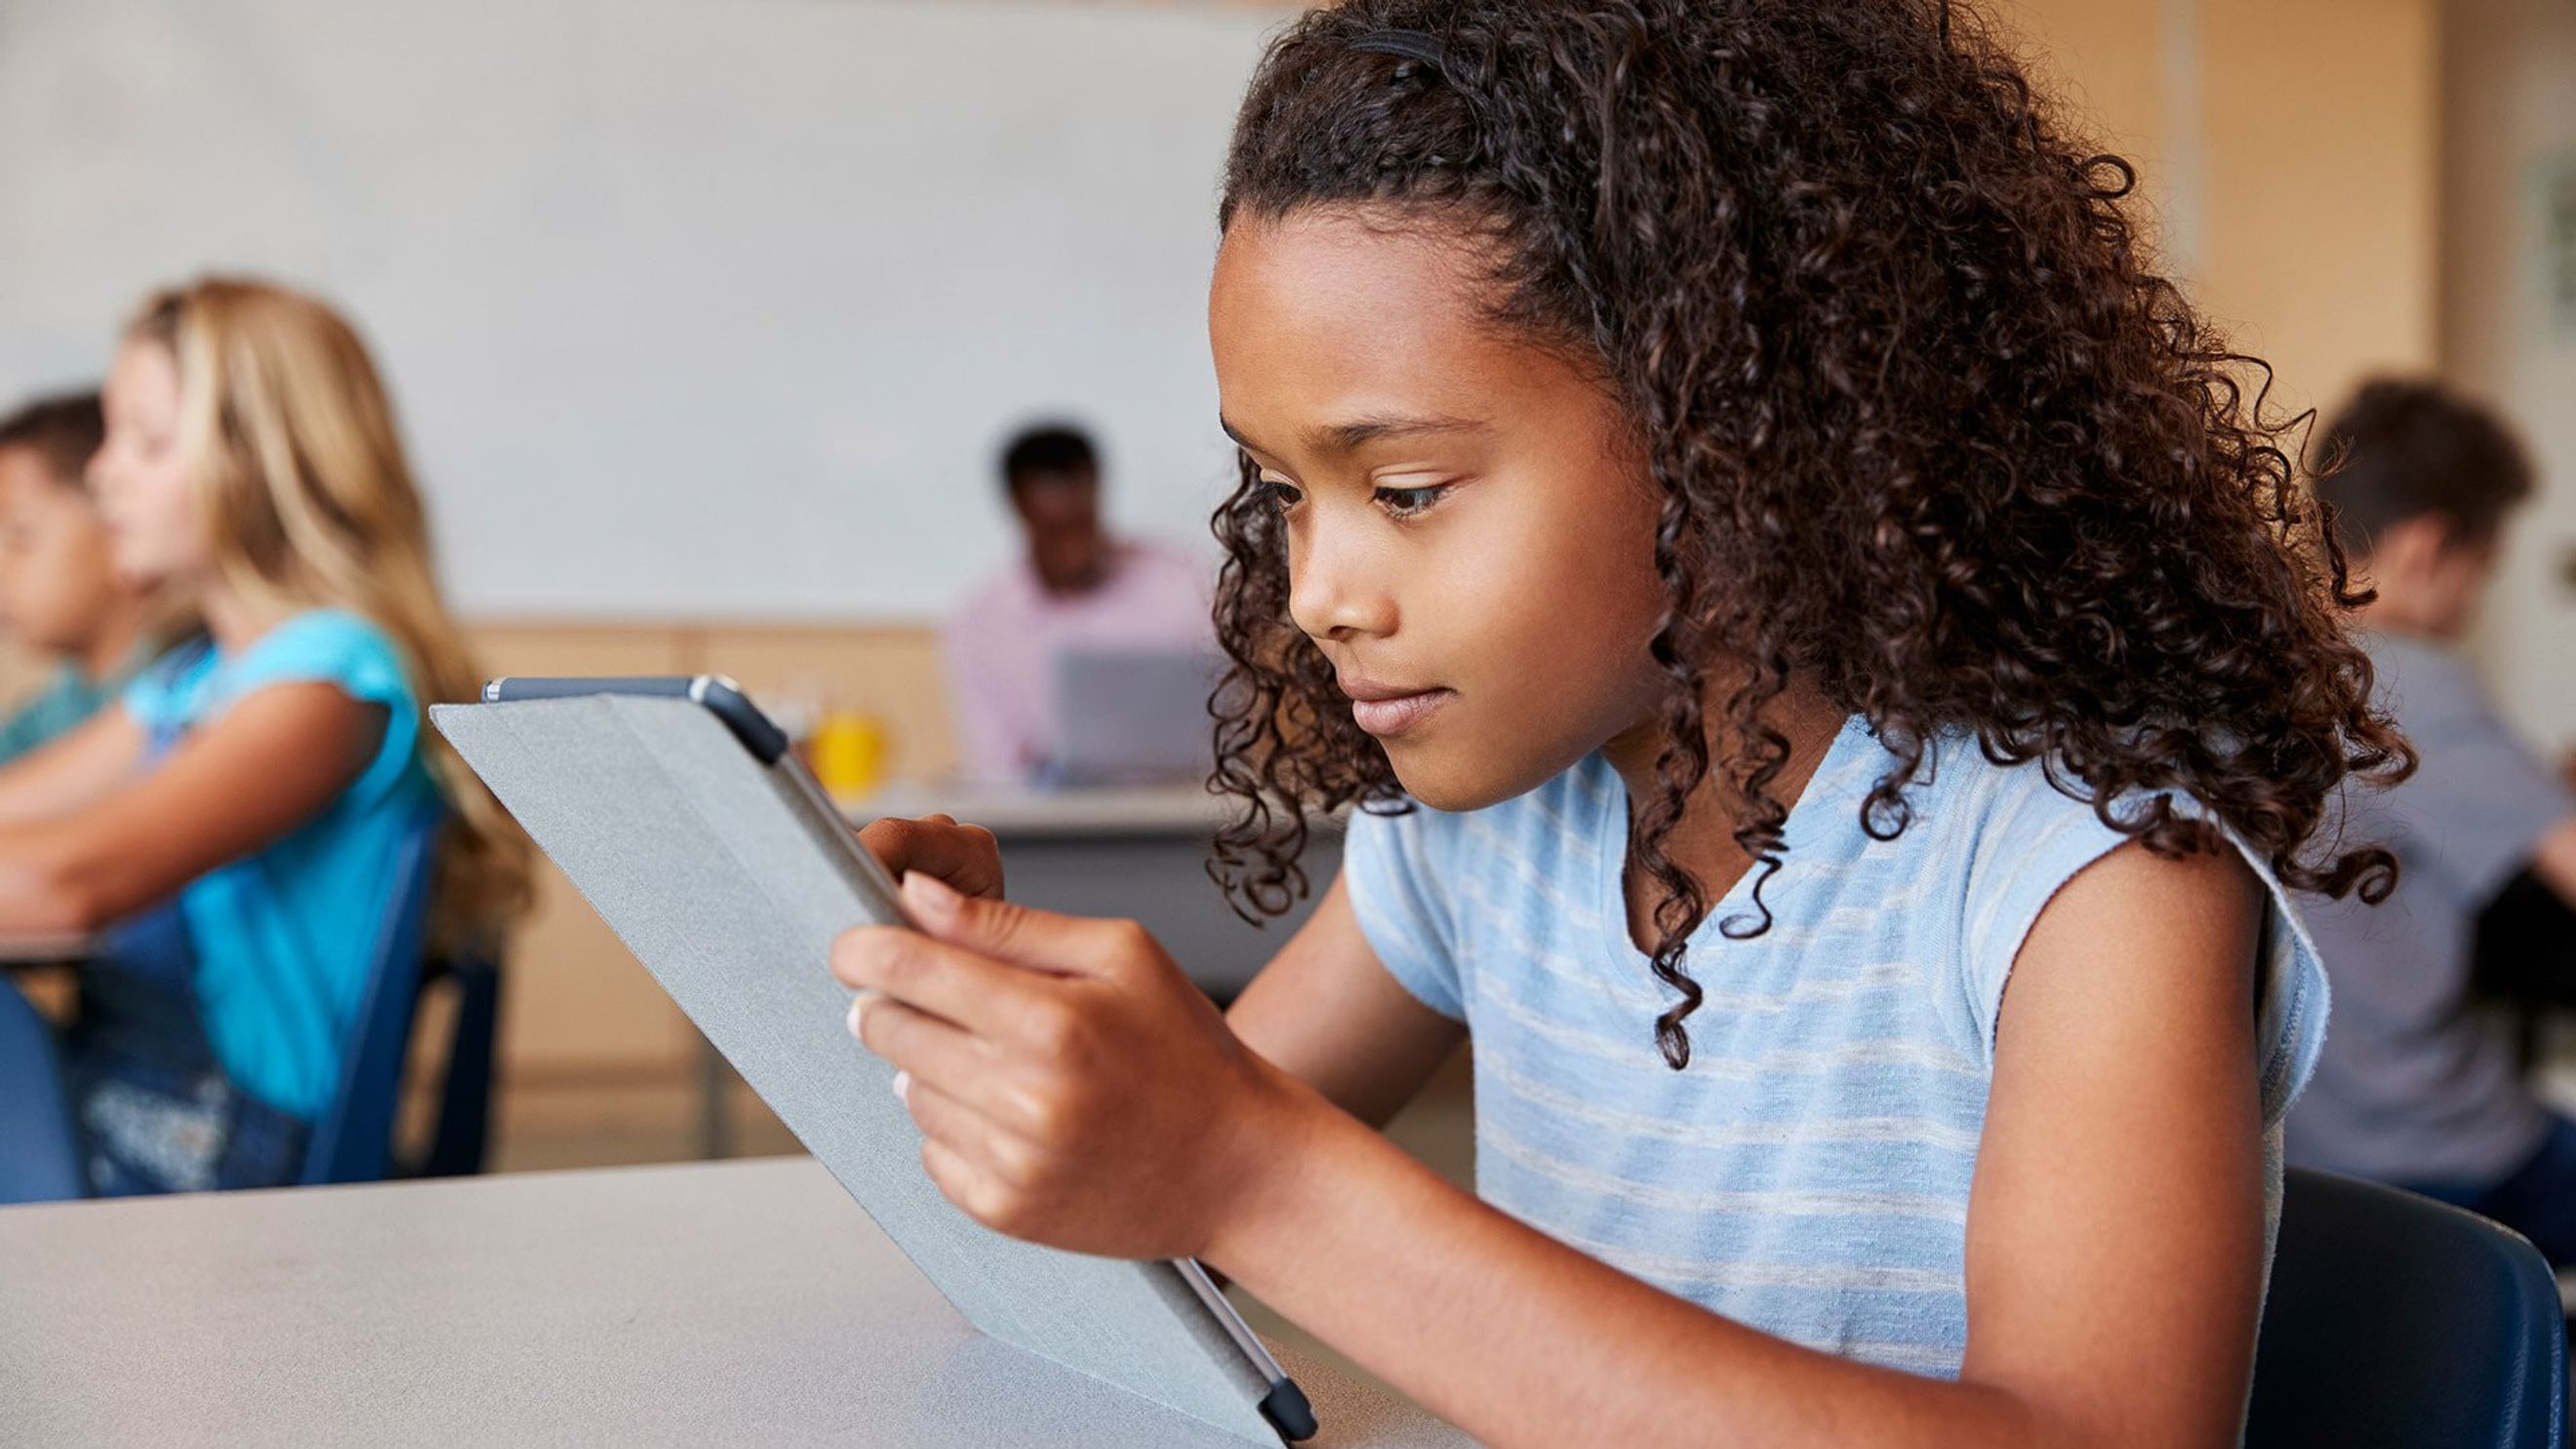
x,y
1133,714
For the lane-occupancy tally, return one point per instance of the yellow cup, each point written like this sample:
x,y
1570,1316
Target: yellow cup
x,y
849,753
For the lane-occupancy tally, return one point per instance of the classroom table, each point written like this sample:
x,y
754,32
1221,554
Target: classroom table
x,y
739,1302
45,948
1137,852
49,956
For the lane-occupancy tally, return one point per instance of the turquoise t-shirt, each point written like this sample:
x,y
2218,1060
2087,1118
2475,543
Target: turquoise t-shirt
x,y
283,938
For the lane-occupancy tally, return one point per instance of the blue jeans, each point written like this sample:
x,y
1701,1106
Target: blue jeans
x,y
2537,1200
153,1109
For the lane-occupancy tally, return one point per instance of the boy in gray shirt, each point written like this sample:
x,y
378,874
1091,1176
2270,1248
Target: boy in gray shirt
x,y
2415,1086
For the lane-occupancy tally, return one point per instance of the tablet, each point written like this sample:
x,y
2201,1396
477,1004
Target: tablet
x,y
677,809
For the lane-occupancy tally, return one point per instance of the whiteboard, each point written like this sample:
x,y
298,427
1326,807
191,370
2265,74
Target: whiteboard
x,y
688,306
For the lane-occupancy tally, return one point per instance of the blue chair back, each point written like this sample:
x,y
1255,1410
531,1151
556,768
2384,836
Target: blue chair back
x,y
39,1156
2395,1320
354,1140
458,1145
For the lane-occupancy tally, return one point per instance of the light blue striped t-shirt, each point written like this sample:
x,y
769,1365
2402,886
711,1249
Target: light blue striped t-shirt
x,y
1808,1173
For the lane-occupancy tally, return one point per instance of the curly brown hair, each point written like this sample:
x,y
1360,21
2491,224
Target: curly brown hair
x,y
1927,428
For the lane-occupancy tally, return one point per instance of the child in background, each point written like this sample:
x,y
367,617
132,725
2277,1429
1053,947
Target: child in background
x,y
1073,585
1838,678
250,793
2418,1087
58,588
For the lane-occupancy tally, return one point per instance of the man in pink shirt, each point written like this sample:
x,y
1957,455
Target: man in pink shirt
x,y
1076,586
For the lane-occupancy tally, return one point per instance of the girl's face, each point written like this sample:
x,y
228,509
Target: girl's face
x,y
1470,531
144,493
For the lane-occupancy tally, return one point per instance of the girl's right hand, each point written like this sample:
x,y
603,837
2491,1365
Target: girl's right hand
x,y
963,857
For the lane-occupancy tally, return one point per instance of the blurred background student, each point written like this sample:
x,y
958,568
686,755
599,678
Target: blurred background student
x,y
2418,1086
59,592
239,816
1074,587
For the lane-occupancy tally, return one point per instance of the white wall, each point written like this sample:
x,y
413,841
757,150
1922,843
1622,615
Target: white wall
x,y
690,306
2510,117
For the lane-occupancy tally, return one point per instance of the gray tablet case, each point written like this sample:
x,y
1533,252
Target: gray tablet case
x,y
703,863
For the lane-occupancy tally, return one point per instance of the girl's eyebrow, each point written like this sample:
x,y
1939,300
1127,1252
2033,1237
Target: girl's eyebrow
x,y
1350,436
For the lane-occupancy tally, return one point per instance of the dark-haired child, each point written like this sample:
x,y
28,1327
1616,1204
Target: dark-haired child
x,y
59,592
1837,681
2416,1087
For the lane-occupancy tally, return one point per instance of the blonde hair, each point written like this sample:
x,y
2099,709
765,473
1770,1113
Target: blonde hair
x,y
310,504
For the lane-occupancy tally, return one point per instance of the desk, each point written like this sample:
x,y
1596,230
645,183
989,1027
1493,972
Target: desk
x,y
45,948
1135,853
744,1302
50,958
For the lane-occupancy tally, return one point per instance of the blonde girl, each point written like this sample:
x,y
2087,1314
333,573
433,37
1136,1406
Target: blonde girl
x,y
236,819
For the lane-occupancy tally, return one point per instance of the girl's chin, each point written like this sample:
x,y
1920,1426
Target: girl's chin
x,y
1454,779
135,561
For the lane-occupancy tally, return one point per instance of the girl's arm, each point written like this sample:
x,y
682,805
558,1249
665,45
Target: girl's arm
x,y
1325,1012
73,770
273,761
1074,1091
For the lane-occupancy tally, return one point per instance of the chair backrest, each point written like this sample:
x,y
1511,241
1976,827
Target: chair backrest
x,y
2396,1320
354,1140
458,1144
39,1156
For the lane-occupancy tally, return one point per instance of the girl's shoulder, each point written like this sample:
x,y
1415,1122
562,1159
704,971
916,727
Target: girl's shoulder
x,y
195,681
329,635
2002,840
332,646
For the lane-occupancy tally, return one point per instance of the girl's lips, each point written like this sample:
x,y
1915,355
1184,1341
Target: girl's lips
x,y
1395,714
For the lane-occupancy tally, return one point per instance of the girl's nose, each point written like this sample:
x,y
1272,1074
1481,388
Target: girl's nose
x,y
1334,590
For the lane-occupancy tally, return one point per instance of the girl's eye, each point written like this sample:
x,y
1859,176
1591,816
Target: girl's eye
x,y
1278,495
1410,502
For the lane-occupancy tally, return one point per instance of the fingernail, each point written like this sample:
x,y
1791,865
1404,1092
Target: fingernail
x,y
858,1013
929,895
903,1087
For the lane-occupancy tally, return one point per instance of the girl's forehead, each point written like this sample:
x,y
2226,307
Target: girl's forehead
x,y
1319,310
1356,268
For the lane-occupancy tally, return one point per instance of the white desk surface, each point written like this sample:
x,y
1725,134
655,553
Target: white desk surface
x,y
1181,808
733,1302
1184,809
45,948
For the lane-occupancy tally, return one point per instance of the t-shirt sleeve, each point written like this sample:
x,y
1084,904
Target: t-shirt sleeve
x,y
2038,843
2479,803
1394,895
351,654
2030,846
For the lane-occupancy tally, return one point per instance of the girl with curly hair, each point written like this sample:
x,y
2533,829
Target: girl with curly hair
x,y
1836,677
